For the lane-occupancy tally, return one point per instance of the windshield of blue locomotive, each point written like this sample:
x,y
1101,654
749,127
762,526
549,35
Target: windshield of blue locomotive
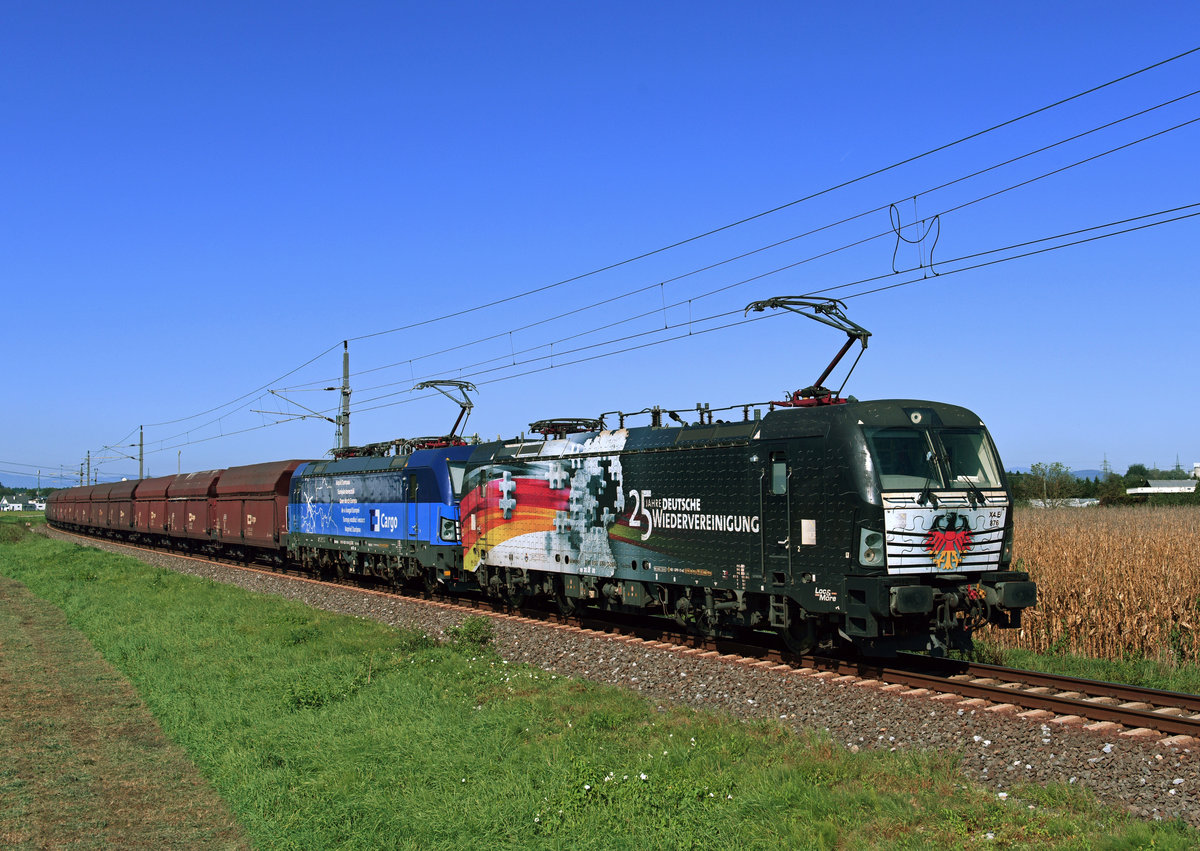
x,y
940,459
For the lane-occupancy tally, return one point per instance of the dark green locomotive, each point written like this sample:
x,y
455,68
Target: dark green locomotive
x,y
884,524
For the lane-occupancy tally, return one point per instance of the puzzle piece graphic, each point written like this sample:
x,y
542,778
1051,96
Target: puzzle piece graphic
x,y
558,477
507,500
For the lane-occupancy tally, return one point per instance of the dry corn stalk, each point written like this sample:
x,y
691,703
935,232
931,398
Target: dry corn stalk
x,y
1112,583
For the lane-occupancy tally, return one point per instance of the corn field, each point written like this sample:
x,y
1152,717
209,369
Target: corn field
x,y
1113,583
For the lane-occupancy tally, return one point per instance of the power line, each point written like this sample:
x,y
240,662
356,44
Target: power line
x,y
692,322
760,276
827,290
695,238
891,232
764,213
245,395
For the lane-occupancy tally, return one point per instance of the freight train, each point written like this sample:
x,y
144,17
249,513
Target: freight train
x,y
882,525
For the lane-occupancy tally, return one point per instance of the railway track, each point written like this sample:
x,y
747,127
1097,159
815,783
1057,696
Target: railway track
x,y
1110,708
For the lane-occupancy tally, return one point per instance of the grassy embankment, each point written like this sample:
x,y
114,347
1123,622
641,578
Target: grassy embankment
x,y
326,731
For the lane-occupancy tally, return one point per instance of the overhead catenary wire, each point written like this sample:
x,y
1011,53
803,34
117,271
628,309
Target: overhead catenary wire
x,y
827,290
790,266
891,232
811,196
822,291
646,287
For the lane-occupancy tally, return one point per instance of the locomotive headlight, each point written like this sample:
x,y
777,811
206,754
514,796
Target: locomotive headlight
x,y
449,529
870,548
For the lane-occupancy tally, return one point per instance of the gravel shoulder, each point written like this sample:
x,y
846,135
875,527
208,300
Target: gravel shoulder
x,y
1145,778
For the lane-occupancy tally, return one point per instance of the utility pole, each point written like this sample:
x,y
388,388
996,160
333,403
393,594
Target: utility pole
x,y
344,419
341,423
89,463
141,450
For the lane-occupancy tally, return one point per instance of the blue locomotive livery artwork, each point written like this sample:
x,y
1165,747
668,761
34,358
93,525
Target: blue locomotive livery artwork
x,y
882,525
394,517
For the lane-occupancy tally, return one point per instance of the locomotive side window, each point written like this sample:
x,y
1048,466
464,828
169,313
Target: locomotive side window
x,y
903,458
779,476
969,459
458,475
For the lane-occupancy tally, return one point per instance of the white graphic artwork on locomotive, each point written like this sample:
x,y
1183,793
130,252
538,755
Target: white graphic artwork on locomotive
x,y
944,533
556,509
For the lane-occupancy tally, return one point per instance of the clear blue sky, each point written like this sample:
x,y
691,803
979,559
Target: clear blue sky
x,y
198,199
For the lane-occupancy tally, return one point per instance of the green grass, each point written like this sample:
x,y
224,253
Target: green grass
x,y
1138,672
327,731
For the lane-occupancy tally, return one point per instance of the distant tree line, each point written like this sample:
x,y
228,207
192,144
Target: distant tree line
x,y
25,492
1053,484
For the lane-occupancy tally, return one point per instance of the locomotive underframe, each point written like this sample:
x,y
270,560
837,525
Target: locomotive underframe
x,y
882,615
386,559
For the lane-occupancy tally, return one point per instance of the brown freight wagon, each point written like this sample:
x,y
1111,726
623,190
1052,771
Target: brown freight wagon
x,y
150,505
120,506
98,506
74,510
189,505
251,505
54,508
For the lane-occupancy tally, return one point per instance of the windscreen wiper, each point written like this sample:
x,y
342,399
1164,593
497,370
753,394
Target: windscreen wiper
x,y
927,494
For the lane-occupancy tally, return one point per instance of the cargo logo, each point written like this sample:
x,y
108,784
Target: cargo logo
x,y
949,538
381,522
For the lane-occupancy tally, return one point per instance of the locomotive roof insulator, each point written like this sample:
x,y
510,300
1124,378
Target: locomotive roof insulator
x,y
828,312
399,446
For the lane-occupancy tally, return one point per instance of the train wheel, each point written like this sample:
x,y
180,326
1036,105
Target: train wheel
x,y
566,605
800,636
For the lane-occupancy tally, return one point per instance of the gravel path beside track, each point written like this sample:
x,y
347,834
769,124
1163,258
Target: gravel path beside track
x,y
1148,779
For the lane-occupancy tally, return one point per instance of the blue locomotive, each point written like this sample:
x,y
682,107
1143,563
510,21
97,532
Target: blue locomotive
x,y
391,517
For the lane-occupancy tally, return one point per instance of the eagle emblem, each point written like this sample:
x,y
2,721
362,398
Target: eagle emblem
x,y
949,538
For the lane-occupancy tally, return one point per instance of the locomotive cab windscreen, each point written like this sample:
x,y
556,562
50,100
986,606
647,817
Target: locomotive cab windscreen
x,y
940,459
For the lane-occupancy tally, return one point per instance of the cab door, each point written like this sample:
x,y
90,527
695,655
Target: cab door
x,y
793,507
775,497
414,498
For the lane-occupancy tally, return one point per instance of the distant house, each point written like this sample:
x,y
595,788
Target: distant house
x,y
1073,502
11,503
1164,486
